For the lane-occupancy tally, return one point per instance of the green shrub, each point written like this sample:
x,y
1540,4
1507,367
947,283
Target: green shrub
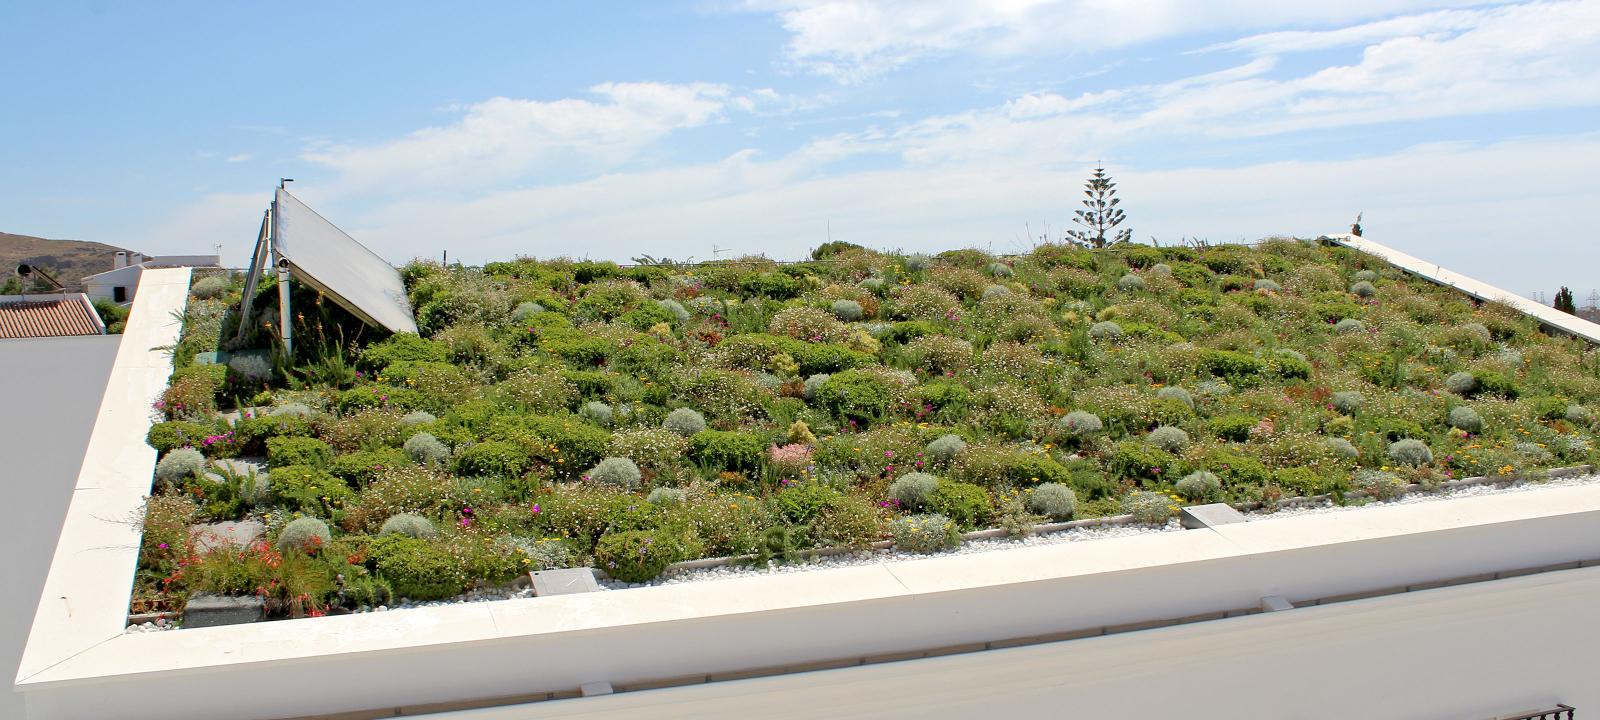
x,y
1002,466
1549,408
364,466
1199,485
417,569
924,533
401,347
1053,500
1465,418
310,490
855,395
1141,461
1380,485
1236,368
410,525
966,504
493,458
685,421
913,491
638,555
304,534
577,444
311,452
727,450
1233,427
1235,469
173,434
1410,452
1176,394
1150,508
1495,383
619,472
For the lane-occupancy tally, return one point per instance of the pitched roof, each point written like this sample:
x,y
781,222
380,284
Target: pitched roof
x,y
58,316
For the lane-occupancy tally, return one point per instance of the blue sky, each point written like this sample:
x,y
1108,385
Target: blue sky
x,y
1465,131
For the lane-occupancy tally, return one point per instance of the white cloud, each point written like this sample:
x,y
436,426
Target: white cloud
x,y
238,158
851,40
502,139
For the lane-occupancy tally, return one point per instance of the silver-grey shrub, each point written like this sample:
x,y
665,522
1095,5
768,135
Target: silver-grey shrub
x,y
1130,283
410,525
685,422
1105,330
1170,439
1379,484
813,384
1410,452
1465,418
847,310
944,449
1053,500
304,534
1199,485
597,412
179,465
913,490
1364,276
615,471
526,310
1461,383
995,291
1342,449
1578,414
252,368
208,288
1151,508
1268,285
1080,423
924,533
918,262
292,409
1348,401
1160,269
425,449
418,417
1363,289
1349,326
1000,270
665,496
674,308
1173,392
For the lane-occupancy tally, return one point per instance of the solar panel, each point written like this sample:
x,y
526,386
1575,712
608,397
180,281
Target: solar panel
x,y
324,257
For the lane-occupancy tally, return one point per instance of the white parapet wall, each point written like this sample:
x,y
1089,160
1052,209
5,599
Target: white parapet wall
x,y
1550,316
517,648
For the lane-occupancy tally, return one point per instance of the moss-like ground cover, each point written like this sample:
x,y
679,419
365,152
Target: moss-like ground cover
x,y
562,413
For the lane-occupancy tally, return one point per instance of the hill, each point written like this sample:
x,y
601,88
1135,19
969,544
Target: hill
x,y
68,260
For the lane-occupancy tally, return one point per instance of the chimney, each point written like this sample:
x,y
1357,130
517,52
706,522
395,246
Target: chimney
x,y
121,260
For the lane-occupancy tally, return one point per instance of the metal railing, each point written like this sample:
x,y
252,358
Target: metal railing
x,y
1560,712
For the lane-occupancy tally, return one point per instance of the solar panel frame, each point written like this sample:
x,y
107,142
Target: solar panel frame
x,y
328,259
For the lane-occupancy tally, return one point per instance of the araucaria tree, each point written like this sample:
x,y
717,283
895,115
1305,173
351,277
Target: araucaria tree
x,y
1564,301
1100,214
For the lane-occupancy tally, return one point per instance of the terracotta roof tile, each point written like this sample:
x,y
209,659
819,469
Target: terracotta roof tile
x,y
49,317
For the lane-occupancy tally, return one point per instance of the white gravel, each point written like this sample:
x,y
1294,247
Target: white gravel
x,y
869,557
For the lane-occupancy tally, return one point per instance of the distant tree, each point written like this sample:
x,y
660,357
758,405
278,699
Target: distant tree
x,y
831,248
1564,301
1100,214
12,286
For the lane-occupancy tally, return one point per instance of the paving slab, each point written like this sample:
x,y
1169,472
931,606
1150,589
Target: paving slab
x,y
206,610
237,533
565,581
1212,515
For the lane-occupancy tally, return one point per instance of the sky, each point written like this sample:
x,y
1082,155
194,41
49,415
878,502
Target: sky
x,y
1464,132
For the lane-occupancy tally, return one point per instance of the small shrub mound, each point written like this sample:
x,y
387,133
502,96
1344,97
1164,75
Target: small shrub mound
x,y
1053,500
913,490
1079,423
1349,326
685,422
847,310
410,525
944,449
1151,508
1342,448
425,449
926,533
417,569
1363,289
180,465
966,504
1105,330
596,412
1170,439
1461,383
1467,419
637,556
1347,402
1199,485
1410,452
1176,394
304,534
1130,283
666,496
617,472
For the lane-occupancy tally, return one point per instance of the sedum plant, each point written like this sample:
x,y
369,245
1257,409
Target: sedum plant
x,y
1053,500
410,525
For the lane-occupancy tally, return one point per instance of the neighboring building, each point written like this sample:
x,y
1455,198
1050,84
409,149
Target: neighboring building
x,y
118,283
48,315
